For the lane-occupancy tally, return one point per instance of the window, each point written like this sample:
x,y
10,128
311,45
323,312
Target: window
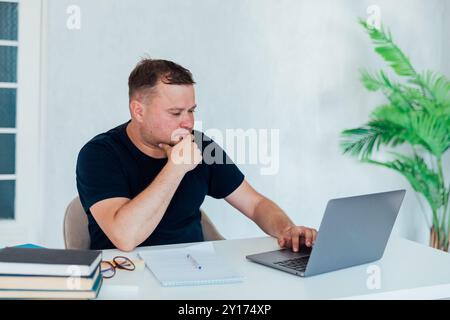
x,y
8,105
21,25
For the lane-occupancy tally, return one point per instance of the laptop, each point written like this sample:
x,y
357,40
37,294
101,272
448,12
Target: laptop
x,y
353,231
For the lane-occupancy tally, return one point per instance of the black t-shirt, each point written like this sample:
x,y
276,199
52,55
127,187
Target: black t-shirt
x,y
110,166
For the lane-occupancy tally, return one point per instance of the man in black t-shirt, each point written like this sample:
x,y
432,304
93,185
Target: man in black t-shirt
x,y
143,182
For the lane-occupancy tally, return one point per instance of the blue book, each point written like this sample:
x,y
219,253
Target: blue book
x,y
28,245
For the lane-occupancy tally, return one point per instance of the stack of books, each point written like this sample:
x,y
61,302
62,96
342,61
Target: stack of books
x,y
39,273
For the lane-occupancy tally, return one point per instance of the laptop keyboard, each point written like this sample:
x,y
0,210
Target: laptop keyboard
x,y
298,264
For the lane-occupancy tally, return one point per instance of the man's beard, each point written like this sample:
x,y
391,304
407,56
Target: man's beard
x,y
149,141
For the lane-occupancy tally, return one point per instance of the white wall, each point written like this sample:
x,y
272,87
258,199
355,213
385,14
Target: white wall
x,y
288,65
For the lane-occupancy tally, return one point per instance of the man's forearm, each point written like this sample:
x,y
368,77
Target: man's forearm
x,y
138,218
270,218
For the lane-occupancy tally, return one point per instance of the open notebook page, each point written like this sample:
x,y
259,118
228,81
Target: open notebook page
x,y
193,265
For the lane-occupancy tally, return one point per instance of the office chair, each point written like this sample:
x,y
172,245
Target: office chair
x,y
76,233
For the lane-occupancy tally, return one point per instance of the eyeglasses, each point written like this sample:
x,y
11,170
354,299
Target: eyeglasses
x,y
108,268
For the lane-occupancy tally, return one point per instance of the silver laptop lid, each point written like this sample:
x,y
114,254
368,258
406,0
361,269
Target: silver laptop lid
x,y
354,231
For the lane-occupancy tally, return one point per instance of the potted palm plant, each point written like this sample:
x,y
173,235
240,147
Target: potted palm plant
x,y
416,115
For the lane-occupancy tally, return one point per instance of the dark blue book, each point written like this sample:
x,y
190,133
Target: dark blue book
x,y
48,262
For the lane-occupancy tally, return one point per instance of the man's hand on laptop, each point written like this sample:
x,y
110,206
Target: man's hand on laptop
x,y
296,236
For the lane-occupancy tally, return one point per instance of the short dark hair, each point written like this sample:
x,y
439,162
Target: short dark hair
x,y
148,72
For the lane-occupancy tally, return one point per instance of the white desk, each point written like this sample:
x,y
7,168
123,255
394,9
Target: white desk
x,y
408,270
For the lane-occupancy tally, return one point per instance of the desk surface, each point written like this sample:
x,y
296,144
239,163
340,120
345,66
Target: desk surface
x,y
408,270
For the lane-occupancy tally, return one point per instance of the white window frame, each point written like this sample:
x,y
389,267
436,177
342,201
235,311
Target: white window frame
x,y
27,216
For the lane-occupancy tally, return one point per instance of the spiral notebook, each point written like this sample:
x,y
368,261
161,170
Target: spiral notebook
x,y
193,265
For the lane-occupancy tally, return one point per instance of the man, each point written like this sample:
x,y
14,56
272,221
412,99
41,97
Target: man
x,y
143,182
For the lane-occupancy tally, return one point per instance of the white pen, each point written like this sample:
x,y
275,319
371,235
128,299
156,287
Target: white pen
x,y
193,261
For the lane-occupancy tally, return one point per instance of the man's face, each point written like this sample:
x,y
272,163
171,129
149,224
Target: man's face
x,y
168,115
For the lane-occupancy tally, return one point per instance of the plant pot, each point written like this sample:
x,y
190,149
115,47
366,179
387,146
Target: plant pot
x,y
434,241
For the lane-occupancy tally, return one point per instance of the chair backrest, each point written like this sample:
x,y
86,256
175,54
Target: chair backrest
x,y
76,232
210,233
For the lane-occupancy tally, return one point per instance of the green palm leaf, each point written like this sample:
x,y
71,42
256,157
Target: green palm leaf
x,y
394,92
421,128
433,132
389,51
363,141
438,87
420,176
